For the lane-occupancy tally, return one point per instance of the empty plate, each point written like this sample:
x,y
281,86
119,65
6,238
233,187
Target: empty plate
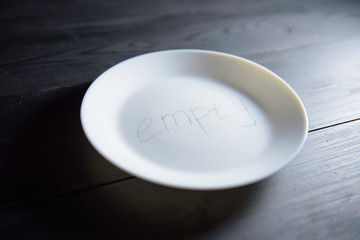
x,y
194,119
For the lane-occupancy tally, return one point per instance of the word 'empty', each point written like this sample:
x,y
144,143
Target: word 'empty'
x,y
193,117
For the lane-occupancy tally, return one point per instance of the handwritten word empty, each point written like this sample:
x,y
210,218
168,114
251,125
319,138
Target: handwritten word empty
x,y
192,117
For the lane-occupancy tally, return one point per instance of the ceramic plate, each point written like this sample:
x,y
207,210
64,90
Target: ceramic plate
x,y
194,119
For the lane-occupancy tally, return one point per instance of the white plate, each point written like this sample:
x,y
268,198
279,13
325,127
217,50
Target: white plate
x,y
194,119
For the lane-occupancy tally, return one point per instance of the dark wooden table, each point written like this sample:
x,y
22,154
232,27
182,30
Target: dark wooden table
x,y
54,185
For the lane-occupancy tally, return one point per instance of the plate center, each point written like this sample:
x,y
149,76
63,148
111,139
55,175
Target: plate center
x,y
195,124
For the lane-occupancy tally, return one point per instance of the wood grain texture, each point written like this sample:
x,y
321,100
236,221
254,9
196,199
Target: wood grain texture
x,y
326,77
315,197
44,128
53,184
89,42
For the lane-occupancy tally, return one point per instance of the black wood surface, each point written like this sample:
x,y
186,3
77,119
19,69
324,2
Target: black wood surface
x,y
54,185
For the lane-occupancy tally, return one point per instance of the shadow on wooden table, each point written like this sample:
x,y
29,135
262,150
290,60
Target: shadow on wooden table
x,y
57,172
134,209
50,155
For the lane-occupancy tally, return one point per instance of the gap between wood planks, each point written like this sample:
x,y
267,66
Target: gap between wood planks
x,y
334,125
61,195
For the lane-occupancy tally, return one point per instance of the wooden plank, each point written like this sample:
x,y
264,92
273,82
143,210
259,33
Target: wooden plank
x,y
314,197
326,77
241,28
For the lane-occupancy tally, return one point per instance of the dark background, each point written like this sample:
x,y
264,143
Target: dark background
x,y
53,184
